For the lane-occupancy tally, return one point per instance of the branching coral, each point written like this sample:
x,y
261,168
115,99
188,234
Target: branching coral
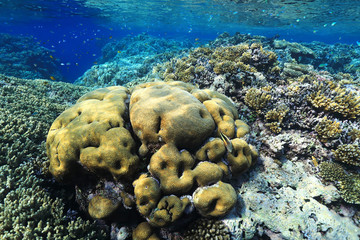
x,y
32,206
332,98
327,129
236,65
275,118
354,134
348,153
257,99
348,184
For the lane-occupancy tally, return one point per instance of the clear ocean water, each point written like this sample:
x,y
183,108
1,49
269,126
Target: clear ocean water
x,y
77,30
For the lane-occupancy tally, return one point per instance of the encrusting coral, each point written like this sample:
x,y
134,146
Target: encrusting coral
x,y
180,163
207,229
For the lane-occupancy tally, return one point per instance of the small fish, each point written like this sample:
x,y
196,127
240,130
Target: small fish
x,y
52,78
95,62
196,39
322,65
110,37
119,51
313,159
51,57
227,142
333,24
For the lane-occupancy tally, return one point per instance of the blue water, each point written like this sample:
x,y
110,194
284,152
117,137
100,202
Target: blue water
x,y
77,30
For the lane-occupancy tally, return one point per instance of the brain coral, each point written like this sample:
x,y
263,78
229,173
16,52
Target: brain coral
x,y
163,149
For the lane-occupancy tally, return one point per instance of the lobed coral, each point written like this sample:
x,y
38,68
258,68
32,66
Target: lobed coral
x,y
151,143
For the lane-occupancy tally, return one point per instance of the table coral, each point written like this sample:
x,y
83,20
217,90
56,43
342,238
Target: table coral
x,y
156,142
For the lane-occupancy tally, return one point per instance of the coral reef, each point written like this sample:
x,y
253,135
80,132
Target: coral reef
x,y
130,58
32,206
303,121
127,149
22,57
223,68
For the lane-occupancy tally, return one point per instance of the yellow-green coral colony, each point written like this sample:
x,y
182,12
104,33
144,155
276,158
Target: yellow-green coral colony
x,y
348,184
327,129
221,60
337,100
348,153
257,99
275,118
183,144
